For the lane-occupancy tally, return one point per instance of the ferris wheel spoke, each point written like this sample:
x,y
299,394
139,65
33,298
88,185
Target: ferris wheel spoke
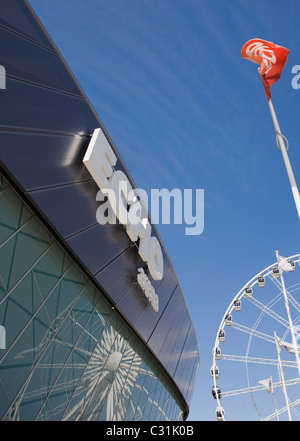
x,y
282,410
278,286
266,361
259,388
61,365
253,389
245,390
293,301
253,332
269,311
296,412
292,288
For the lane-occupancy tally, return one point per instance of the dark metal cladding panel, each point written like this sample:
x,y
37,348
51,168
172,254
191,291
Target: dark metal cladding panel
x,y
68,207
178,346
53,160
148,320
164,324
26,106
45,127
20,62
193,371
133,303
167,351
196,364
144,318
14,15
98,245
120,274
185,366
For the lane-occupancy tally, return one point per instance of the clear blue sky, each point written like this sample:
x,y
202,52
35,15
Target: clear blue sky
x,y
186,111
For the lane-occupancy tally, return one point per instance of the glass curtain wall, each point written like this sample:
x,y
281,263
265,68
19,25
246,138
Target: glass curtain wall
x,y
68,355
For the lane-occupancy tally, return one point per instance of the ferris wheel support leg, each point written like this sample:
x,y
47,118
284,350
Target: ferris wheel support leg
x,y
275,404
285,158
283,380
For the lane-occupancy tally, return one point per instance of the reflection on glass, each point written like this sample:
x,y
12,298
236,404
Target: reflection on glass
x,y
69,355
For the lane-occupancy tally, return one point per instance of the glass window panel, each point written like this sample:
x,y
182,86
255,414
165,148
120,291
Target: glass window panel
x,y
86,356
134,403
129,371
160,415
14,213
51,268
3,183
118,370
69,354
147,410
169,407
63,294
81,341
144,403
29,401
3,290
156,402
20,253
127,388
19,307
4,399
17,368
151,396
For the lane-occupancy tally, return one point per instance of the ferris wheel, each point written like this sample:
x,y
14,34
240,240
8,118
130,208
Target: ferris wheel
x,y
256,367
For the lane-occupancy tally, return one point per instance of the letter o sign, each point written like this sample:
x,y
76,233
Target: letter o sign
x,y
155,260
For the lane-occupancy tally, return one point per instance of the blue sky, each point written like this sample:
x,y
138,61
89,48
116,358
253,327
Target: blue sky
x,y
186,111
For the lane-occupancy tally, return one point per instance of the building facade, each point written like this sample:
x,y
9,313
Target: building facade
x,y
82,338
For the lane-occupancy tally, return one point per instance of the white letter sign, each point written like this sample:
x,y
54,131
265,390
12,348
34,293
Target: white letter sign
x,y
100,160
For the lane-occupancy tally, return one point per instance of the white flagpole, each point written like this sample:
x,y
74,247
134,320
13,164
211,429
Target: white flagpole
x,y
285,158
282,379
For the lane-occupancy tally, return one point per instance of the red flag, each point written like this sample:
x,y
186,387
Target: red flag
x,y
270,57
